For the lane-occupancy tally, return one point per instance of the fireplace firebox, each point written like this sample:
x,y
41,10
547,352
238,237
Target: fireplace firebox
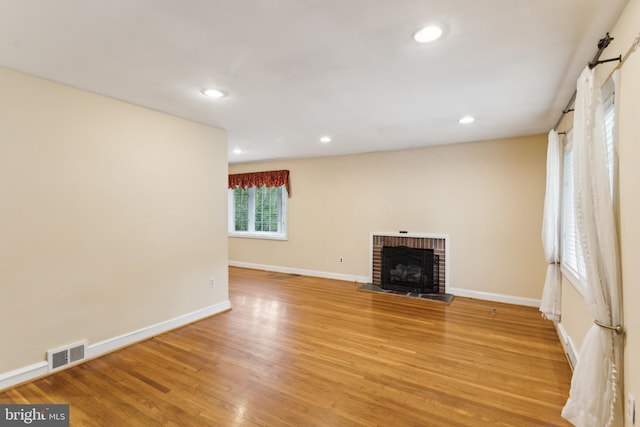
x,y
408,269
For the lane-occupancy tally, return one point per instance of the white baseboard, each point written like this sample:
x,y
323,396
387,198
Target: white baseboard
x,y
567,344
364,279
20,375
312,273
129,338
494,297
30,372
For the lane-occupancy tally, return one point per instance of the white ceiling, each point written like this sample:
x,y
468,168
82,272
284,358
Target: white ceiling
x,y
299,69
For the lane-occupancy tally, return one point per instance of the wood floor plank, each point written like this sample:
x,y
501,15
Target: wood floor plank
x,y
303,351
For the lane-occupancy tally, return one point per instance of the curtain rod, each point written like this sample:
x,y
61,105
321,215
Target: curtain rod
x,y
602,45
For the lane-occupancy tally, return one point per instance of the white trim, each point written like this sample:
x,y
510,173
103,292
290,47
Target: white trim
x,y
567,344
417,235
129,338
312,273
447,242
267,235
362,279
20,375
258,235
489,296
39,369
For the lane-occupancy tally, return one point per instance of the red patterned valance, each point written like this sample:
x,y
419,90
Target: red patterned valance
x,y
258,179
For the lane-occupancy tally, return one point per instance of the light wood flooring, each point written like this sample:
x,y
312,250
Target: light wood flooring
x,y
302,351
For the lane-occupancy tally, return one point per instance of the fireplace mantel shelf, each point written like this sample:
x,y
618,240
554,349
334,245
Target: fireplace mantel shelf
x,y
410,234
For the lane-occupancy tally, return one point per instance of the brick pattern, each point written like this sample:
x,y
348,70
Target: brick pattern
x,y
437,244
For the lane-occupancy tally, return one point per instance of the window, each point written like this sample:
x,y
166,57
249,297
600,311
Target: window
x,y
258,212
572,260
258,204
240,209
608,93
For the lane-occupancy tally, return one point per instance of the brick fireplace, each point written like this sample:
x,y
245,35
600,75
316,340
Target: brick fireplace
x,y
438,243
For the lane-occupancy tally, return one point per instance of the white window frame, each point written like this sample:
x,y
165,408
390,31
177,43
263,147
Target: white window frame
x,y
281,234
572,263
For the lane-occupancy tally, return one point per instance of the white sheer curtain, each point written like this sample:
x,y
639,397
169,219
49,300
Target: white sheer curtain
x,y
552,292
595,383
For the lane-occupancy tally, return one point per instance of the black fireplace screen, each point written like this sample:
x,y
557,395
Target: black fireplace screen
x,y
410,269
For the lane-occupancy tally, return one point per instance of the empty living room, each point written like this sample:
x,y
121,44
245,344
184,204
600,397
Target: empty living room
x,y
319,213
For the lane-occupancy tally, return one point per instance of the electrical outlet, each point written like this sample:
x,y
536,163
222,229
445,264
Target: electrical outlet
x,y
341,260
630,405
212,283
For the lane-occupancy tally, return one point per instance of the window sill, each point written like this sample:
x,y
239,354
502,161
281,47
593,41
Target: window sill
x,y
264,236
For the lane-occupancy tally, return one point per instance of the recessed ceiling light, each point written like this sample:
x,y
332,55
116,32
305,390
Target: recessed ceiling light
x,y
237,151
214,93
466,120
325,139
427,34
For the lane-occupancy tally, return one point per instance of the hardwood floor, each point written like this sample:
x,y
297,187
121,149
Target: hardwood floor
x,y
302,351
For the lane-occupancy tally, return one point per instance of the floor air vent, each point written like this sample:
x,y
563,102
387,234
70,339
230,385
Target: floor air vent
x,y
66,355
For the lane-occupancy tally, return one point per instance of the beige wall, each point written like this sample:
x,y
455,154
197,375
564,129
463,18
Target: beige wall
x,y
574,319
487,196
629,178
113,217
